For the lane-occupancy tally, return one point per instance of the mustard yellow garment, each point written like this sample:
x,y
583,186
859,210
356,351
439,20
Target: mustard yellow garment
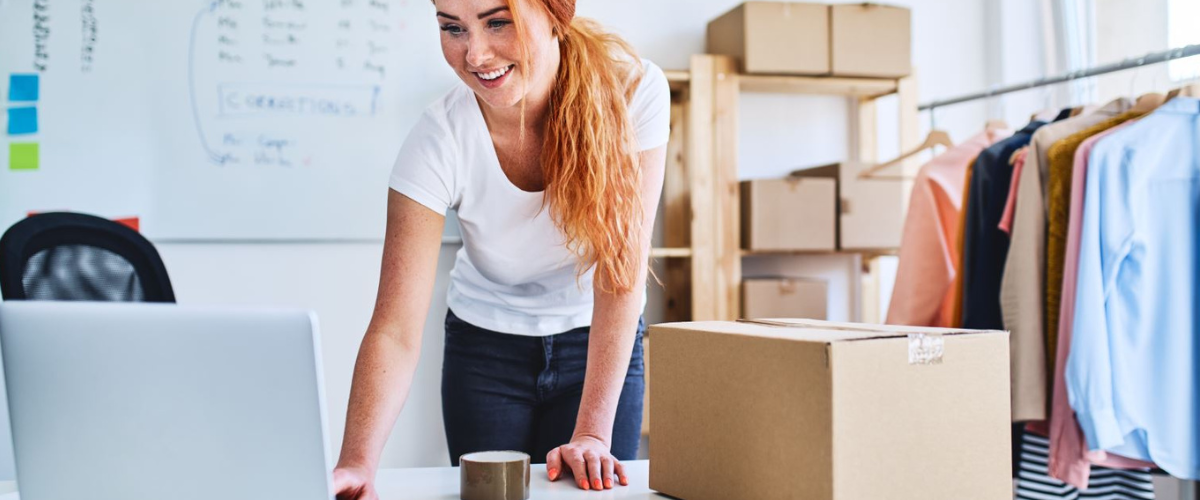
x,y
1061,157
956,318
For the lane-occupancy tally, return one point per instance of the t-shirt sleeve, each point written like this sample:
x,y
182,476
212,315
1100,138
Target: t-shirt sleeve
x,y
425,168
650,108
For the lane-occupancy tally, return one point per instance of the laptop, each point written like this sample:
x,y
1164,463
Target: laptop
x,y
119,401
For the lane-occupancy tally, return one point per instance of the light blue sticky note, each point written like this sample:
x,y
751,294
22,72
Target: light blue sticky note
x,y
22,121
22,88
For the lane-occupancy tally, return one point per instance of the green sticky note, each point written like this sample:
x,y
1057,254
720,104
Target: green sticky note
x,y
23,156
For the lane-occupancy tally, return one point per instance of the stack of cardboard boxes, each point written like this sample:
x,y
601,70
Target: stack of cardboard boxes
x,y
788,408
826,208
791,38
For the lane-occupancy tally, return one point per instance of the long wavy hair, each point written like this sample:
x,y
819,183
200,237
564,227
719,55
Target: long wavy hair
x,y
589,154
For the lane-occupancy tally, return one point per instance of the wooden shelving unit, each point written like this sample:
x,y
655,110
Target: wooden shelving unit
x,y
701,195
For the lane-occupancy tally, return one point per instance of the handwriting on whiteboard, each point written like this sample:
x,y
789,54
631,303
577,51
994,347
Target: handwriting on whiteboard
x,y
271,60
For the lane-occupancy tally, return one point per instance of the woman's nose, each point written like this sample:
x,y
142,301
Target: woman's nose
x,y
479,51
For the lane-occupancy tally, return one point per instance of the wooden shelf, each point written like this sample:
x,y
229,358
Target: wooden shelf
x,y
861,87
875,252
701,195
660,253
786,84
677,75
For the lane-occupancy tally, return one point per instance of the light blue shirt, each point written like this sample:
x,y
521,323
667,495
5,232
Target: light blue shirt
x,y
1133,373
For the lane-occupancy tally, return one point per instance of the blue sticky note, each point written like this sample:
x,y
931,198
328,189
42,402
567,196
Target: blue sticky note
x,y
22,88
22,121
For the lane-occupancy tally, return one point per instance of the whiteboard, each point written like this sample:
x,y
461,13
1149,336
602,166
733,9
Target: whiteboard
x,y
215,119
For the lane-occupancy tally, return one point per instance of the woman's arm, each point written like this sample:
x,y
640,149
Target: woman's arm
x,y
610,345
389,352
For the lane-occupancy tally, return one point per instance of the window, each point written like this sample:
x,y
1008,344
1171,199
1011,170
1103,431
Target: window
x,y
1181,31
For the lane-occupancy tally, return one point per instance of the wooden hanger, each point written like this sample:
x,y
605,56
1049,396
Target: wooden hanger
x,y
1148,102
1191,90
1045,115
935,138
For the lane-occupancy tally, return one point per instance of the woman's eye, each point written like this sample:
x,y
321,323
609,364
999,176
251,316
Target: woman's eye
x,y
452,29
498,23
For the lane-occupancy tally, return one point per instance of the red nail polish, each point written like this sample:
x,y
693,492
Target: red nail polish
x,y
584,485
608,483
596,484
552,473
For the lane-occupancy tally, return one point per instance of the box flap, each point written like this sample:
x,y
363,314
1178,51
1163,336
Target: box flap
x,y
812,330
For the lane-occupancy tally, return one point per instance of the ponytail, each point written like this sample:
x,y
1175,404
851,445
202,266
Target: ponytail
x,y
589,155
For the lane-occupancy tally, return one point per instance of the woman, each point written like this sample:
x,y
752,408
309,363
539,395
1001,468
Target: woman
x,y
552,152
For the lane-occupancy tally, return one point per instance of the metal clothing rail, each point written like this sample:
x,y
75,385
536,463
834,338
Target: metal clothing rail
x,y
1136,62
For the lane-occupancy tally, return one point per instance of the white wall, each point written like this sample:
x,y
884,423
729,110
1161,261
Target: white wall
x,y
338,281
778,133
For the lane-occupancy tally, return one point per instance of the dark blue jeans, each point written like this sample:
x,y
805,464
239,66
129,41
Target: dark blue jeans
x,y
513,392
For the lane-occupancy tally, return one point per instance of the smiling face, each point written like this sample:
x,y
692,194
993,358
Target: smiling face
x,y
481,43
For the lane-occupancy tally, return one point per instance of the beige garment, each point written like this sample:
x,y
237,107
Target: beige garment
x,y
1023,287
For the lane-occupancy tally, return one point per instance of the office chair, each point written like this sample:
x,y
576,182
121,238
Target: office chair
x,y
72,256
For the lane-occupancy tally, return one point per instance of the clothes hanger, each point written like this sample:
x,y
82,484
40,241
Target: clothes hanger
x,y
935,138
1189,90
1148,102
1046,113
994,125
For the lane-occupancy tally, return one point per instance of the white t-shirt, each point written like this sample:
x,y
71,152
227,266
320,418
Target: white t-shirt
x,y
513,273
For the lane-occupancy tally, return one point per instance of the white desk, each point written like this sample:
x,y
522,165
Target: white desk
x,y
441,483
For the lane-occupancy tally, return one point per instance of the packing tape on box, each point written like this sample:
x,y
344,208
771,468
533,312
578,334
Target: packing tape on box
x,y
925,348
494,475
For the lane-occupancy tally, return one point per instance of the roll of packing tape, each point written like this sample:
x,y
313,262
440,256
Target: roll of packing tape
x,y
494,475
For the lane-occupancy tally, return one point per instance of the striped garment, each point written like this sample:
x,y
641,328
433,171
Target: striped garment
x,y
1034,483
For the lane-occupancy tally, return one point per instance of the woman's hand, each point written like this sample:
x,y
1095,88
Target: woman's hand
x,y
589,460
354,483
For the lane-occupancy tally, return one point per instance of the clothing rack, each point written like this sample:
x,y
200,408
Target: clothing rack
x,y
1131,63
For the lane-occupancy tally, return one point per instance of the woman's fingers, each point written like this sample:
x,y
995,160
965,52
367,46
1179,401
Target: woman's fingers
x,y
620,470
606,468
554,464
593,468
578,465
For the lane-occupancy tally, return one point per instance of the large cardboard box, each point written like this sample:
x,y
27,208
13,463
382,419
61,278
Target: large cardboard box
x,y
774,37
870,211
871,40
803,409
785,298
793,214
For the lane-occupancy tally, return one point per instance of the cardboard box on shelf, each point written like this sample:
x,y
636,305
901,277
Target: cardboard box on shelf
x,y
784,409
787,38
794,214
785,298
870,40
870,211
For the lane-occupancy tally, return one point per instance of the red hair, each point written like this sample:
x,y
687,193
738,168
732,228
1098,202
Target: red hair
x,y
589,154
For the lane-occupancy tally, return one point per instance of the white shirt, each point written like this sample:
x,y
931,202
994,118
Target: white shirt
x,y
513,273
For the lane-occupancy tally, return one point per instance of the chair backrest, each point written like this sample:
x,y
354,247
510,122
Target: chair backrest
x,y
72,256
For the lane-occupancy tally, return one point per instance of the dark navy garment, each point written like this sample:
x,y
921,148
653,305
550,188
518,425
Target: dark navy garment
x,y
985,246
522,393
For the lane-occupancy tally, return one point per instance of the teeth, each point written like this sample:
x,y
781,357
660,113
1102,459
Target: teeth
x,y
494,74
